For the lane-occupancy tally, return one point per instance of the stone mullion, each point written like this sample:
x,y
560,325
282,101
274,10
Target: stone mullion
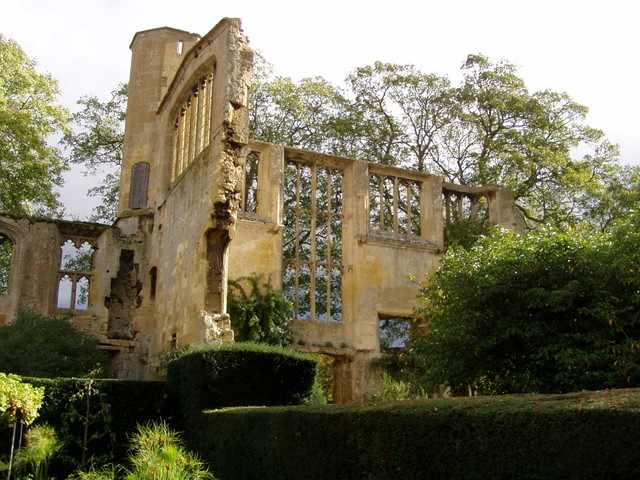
x,y
297,211
312,259
395,205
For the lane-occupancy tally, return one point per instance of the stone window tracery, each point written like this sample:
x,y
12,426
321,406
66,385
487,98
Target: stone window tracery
x,y
74,274
192,124
394,204
460,206
312,240
6,253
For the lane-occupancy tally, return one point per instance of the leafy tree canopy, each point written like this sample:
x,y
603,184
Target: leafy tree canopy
x,y
39,346
488,129
97,144
30,168
543,312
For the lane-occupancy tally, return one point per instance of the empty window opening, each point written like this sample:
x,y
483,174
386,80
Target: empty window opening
x,y
312,242
180,47
192,125
394,205
153,279
139,185
6,252
249,199
393,333
460,206
217,243
74,275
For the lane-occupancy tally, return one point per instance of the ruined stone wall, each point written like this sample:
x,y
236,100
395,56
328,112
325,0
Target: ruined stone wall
x,y
198,133
200,203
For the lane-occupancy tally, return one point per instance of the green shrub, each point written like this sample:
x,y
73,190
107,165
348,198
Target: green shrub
x,y
39,346
543,312
523,437
41,443
262,315
239,374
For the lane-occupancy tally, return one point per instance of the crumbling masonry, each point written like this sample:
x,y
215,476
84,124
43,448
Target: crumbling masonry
x,y
200,202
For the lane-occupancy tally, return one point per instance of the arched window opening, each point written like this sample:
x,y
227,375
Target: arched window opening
x,y
74,276
6,252
139,190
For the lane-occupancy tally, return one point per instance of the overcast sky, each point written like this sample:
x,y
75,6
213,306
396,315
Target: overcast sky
x,y
586,48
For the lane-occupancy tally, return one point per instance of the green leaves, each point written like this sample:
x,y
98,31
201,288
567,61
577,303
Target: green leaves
x,y
97,144
546,312
262,315
489,129
30,168
41,346
18,401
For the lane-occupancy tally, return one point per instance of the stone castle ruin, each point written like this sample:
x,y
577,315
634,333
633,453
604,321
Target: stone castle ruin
x,y
200,203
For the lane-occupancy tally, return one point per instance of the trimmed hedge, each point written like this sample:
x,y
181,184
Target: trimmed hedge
x,y
575,436
239,374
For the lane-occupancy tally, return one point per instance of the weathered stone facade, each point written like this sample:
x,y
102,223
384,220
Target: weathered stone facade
x,y
200,202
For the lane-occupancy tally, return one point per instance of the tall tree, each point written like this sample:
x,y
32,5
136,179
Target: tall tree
x,y
549,311
97,144
301,114
488,130
30,168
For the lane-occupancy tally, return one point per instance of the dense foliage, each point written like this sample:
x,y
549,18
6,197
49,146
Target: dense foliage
x,y
97,144
210,376
40,346
543,312
95,417
574,436
489,129
262,315
30,168
19,401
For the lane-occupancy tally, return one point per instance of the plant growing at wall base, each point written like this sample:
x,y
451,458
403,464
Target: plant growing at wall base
x,y
262,314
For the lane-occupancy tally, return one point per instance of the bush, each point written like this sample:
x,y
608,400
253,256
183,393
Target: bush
x,y
39,346
524,437
543,312
239,374
262,315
